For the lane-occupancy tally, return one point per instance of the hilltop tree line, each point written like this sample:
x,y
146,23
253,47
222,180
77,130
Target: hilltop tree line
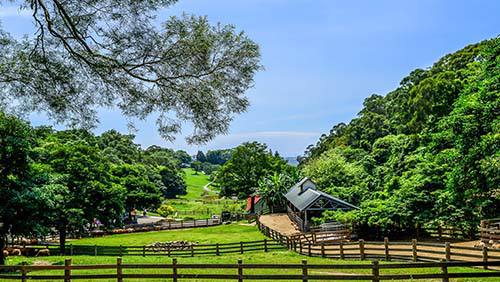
x,y
210,161
66,180
426,154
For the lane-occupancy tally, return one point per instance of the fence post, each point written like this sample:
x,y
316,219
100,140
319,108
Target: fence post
x,y
95,250
440,232
362,249
119,270
168,249
414,249
265,245
240,270
294,243
120,250
174,270
217,249
206,222
194,222
444,271
485,257
447,251
182,223
309,249
341,246
375,271
300,246
322,249
241,247
386,248
144,250
304,271
23,271
192,250
67,270
71,249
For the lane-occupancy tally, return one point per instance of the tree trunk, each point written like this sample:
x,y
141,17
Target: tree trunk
x,y
2,247
62,240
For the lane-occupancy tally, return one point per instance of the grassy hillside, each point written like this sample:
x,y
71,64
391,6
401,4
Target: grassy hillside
x,y
210,235
204,203
195,183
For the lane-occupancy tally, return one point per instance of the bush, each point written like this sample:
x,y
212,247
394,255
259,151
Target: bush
x,y
165,210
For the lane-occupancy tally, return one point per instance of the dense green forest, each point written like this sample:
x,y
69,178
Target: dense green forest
x,y
425,154
65,180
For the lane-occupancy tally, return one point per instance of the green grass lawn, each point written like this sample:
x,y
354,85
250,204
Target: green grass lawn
x,y
197,199
234,232
279,257
195,183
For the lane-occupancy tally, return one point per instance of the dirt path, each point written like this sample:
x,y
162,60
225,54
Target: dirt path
x,y
280,223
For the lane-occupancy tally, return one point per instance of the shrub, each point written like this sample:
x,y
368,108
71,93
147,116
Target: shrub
x,y
165,210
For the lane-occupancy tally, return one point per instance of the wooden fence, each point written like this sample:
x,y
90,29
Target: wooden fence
x,y
290,272
450,233
490,230
162,225
414,250
164,250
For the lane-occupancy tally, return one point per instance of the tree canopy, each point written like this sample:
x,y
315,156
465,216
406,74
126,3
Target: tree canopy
x,y
89,54
425,154
249,164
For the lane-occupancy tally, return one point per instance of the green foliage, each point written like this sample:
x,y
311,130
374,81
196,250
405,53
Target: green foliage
x,y
219,157
273,189
85,55
22,208
425,154
165,210
196,166
141,191
249,164
173,183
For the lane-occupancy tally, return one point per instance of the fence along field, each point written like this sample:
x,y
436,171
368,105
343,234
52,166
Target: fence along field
x,y
177,271
414,250
166,250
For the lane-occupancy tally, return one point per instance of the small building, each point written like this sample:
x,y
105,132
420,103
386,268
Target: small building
x,y
256,205
306,202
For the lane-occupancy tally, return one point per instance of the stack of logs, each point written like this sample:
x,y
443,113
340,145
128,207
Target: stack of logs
x,y
170,246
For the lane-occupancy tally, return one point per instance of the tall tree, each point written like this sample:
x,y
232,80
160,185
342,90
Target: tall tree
x,y
249,163
22,207
89,54
85,184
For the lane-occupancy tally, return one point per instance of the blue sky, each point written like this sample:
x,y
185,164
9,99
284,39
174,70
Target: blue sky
x,y
321,59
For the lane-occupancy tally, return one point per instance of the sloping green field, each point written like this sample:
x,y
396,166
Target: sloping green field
x,y
234,232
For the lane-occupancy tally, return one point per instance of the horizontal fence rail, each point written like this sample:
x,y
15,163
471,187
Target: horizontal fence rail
x,y
240,271
171,249
306,244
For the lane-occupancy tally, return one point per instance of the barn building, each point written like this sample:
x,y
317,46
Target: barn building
x,y
306,202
